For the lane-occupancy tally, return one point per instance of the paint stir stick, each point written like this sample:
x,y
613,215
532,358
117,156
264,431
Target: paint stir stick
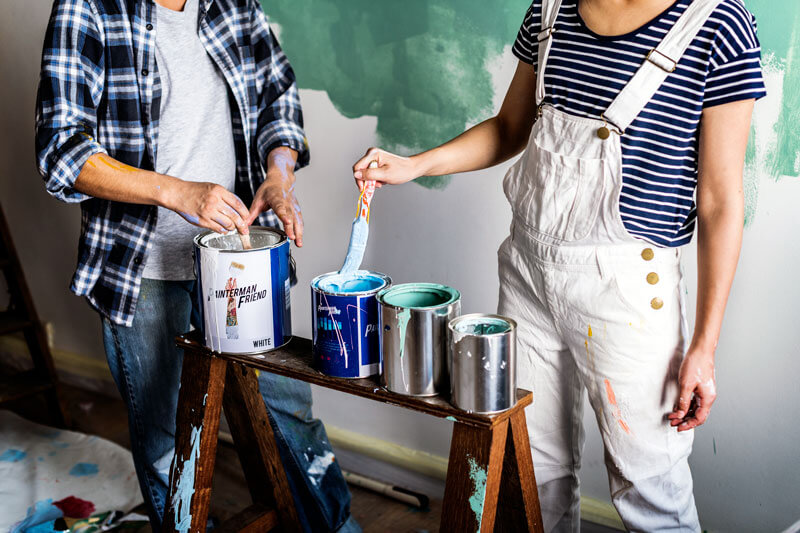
x,y
246,245
360,232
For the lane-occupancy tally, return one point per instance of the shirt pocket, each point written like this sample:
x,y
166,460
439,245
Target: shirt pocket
x,y
557,196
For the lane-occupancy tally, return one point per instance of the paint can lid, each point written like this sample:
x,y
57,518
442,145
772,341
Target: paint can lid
x,y
260,238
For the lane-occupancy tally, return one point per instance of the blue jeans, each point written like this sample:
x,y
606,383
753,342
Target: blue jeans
x,y
146,366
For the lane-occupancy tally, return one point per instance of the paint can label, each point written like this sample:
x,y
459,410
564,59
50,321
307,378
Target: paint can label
x,y
346,339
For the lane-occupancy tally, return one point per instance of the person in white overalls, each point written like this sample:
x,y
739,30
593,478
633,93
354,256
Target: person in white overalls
x,y
598,308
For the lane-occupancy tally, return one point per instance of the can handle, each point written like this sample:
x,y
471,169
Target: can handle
x,y
292,270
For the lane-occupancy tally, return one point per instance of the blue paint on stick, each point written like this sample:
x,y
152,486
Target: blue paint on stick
x,y
358,244
12,455
84,469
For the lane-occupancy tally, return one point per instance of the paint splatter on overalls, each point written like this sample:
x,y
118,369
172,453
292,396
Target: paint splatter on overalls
x,y
597,308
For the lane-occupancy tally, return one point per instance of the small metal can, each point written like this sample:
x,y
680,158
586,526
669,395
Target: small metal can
x,y
482,362
346,341
413,327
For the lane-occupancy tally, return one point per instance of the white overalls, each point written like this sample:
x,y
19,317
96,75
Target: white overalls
x,y
597,308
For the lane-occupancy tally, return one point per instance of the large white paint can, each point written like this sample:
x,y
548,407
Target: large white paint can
x,y
244,295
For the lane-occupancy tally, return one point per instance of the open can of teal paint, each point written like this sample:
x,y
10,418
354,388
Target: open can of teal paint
x,y
413,328
482,360
344,311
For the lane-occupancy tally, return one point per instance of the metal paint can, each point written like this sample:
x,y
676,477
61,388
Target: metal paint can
x,y
244,295
346,342
483,362
414,318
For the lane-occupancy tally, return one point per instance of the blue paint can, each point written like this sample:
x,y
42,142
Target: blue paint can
x,y
344,310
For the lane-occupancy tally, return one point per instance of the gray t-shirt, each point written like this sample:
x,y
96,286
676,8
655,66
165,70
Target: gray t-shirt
x,y
195,135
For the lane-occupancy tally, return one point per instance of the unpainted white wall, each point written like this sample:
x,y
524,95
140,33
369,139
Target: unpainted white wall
x,y
746,464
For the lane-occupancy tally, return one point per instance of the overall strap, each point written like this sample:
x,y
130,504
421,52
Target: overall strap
x,y
550,10
660,63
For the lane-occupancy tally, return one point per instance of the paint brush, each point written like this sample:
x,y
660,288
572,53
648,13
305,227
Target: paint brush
x,y
246,245
360,231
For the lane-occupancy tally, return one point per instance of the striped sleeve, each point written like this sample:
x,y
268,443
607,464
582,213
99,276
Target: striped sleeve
x,y
735,65
526,46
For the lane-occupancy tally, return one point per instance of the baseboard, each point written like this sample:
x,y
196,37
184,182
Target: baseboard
x,y
78,368
592,510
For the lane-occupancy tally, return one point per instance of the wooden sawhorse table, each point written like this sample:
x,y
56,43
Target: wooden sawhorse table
x,y
490,483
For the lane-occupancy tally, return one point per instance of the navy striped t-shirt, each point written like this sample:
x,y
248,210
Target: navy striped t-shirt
x,y
586,71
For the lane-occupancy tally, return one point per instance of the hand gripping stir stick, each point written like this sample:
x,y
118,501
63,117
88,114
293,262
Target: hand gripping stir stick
x,y
360,231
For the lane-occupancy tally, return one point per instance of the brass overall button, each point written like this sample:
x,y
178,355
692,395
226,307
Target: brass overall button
x,y
656,303
648,254
652,278
604,133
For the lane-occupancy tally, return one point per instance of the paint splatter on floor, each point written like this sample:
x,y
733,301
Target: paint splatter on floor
x,y
478,476
12,455
84,469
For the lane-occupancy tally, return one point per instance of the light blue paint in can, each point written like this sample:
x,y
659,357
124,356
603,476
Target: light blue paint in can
x,y
344,312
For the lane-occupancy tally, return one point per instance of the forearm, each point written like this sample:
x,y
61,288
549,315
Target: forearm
x,y
482,146
104,177
718,247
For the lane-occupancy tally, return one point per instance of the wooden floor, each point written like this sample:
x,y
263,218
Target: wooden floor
x,y
100,415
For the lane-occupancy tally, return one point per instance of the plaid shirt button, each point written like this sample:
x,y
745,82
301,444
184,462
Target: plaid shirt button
x,y
149,27
145,72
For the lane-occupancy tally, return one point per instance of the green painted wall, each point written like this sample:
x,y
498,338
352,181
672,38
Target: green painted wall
x,y
420,67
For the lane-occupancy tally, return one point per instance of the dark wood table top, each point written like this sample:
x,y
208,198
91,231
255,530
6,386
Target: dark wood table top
x,y
294,360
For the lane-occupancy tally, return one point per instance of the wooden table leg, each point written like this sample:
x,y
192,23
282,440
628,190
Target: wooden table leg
x,y
197,425
473,477
256,446
518,508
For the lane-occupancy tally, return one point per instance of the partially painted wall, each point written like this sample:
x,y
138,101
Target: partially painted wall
x,y
423,69
419,66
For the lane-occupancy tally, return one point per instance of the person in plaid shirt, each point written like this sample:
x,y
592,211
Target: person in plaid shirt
x,y
160,118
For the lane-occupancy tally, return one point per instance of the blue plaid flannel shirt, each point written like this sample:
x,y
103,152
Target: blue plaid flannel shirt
x,y
100,92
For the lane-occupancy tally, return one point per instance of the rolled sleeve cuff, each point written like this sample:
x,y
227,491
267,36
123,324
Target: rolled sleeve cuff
x,y
284,133
67,165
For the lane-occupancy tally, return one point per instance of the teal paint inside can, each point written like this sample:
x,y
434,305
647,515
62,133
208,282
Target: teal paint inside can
x,y
419,295
483,326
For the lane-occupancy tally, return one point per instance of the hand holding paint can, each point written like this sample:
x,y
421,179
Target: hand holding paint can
x,y
482,361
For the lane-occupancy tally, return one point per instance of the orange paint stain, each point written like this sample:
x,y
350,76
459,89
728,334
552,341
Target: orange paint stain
x,y
624,426
590,330
116,165
612,399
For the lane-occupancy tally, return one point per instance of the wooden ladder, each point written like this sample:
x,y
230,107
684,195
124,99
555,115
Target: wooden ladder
x,y
20,316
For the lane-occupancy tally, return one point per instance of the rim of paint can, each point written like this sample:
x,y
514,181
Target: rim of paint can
x,y
386,282
276,238
481,318
441,295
